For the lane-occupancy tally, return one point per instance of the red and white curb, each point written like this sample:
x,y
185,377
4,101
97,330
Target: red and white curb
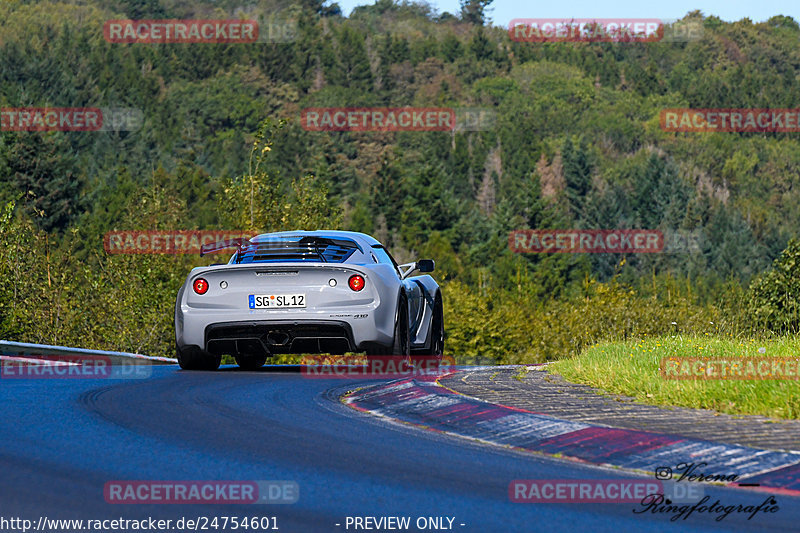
x,y
423,402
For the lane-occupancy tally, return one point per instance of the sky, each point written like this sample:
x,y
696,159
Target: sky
x,y
501,12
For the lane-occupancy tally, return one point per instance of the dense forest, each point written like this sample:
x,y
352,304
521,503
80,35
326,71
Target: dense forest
x,y
574,142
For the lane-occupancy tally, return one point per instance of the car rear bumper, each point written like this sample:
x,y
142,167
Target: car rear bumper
x,y
267,337
279,336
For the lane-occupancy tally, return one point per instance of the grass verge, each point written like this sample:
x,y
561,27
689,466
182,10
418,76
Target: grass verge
x,y
632,368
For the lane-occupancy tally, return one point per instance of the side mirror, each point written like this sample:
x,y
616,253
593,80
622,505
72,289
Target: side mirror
x,y
425,265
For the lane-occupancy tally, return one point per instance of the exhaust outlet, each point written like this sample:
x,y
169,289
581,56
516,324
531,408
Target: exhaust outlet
x,y
276,338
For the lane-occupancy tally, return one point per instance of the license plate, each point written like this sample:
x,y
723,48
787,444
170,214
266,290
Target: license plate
x,y
269,301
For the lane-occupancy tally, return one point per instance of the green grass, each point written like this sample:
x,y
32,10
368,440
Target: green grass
x,y
632,368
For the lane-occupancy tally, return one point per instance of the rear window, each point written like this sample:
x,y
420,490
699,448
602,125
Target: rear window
x,y
300,249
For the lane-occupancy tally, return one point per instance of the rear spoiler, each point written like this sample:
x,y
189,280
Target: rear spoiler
x,y
239,243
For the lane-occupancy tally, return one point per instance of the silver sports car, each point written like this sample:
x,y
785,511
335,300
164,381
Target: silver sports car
x,y
307,292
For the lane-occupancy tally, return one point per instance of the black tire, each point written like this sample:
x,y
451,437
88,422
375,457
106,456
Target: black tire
x,y
401,341
250,362
402,337
196,359
437,329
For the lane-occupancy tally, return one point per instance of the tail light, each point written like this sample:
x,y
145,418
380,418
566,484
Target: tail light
x,y
356,282
200,286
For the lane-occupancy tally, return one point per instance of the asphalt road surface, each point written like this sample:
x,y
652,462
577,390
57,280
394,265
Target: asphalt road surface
x,y
62,440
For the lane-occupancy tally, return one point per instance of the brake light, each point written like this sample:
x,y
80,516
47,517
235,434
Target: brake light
x,y
200,286
356,282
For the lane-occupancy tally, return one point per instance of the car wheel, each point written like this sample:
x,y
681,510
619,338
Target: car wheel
x,y
437,329
401,341
250,362
196,359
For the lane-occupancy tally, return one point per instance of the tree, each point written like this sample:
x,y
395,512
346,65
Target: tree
x,y
318,7
480,46
451,47
578,167
45,174
774,297
258,202
354,63
143,9
474,11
